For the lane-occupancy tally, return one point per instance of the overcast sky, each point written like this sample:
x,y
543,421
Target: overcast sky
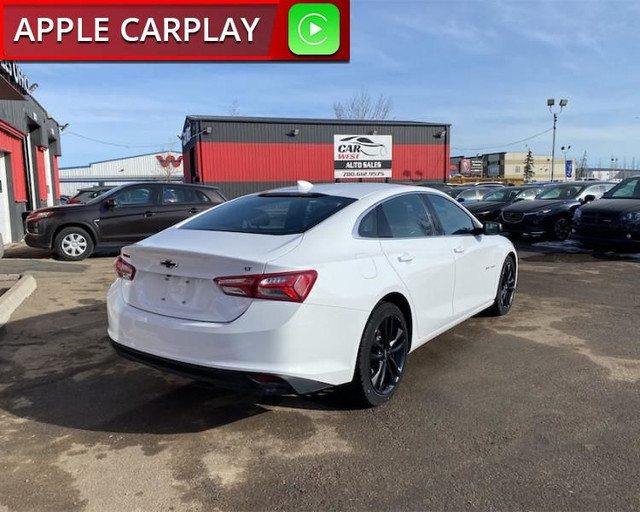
x,y
485,66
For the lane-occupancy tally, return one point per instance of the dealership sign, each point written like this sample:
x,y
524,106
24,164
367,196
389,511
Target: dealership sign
x,y
363,156
14,74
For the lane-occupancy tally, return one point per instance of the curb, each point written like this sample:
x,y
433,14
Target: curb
x,y
16,295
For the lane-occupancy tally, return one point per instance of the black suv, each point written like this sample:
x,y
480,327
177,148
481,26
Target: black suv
x,y
121,216
614,221
551,212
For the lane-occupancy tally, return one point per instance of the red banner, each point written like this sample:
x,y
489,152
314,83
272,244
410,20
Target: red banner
x,y
170,30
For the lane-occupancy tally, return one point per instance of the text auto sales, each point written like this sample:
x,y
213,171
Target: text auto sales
x,y
136,30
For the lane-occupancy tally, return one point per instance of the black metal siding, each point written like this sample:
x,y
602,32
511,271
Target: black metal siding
x,y
311,131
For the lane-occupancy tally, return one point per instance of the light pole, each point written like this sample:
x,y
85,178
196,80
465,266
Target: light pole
x,y
565,150
551,103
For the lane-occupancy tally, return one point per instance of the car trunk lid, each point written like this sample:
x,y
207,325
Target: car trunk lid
x,y
175,271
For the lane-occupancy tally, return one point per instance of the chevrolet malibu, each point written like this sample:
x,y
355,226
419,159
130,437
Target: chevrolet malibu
x,y
303,288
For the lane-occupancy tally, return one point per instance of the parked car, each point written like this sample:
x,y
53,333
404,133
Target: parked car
x,y
473,194
490,208
489,184
551,212
300,289
123,215
457,189
85,195
614,221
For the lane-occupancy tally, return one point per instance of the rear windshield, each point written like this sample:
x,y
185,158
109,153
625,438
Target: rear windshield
x,y
270,214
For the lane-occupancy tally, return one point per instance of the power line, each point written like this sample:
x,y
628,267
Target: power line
x,y
126,146
506,145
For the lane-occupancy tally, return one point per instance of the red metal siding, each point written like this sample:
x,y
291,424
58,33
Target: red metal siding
x,y
186,166
42,177
11,142
220,162
56,176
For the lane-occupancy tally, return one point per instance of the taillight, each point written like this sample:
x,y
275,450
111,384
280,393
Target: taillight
x,y
74,201
124,269
287,286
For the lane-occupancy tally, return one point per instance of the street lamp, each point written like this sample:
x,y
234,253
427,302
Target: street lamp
x,y
551,103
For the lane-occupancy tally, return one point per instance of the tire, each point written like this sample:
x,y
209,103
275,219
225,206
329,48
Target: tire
x,y
561,229
382,357
73,244
506,289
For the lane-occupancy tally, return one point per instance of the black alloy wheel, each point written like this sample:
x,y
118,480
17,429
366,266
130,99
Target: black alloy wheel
x,y
388,355
382,356
561,229
506,288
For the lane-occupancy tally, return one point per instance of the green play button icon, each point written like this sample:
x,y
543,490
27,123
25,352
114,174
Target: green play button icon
x,y
314,29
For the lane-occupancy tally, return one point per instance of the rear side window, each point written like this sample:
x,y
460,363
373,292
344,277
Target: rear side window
x,y
203,198
270,214
179,195
407,217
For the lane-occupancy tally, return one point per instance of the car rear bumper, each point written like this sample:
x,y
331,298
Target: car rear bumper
x,y
309,347
223,378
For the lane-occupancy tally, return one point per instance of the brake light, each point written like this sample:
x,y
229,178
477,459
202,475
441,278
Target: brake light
x,y
124,269
287,286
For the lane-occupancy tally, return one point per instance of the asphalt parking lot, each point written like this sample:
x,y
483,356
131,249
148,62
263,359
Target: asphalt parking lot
x,y
537,410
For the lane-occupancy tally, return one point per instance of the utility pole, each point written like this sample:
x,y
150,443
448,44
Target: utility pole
x,y
551,103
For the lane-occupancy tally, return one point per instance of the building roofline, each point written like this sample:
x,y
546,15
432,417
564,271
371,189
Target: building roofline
x,y
121,158
286,120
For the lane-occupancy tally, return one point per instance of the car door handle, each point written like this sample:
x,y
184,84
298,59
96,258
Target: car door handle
x,y
459,250
405,258
148,214
193,210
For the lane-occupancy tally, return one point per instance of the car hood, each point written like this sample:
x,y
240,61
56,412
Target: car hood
x,y
483,206
538,204
613,205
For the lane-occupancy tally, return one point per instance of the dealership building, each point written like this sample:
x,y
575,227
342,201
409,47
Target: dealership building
x,y
510,167
243,155
158,166
29,151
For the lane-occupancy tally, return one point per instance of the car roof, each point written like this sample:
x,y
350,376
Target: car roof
x,y
173,183
351,190
93,189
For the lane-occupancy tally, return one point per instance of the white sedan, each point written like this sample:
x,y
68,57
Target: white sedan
x,y
303,288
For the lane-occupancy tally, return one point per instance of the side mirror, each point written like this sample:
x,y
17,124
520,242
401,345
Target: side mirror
x,y
589,198
461,199
492,228
110,203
